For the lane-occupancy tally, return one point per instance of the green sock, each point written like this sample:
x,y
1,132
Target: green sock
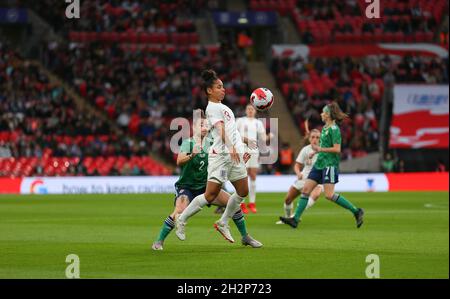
x,y
346,204
301,207
167,227
240,224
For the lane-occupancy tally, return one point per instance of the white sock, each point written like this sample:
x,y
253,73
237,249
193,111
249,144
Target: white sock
x,y
310,203
288,209
252,191
196,205
233,205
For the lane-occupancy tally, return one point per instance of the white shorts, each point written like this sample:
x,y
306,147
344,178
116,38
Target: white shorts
x,y
299,184
222,169
253,162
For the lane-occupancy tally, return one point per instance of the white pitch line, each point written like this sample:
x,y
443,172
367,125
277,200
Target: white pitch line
x,y
430,206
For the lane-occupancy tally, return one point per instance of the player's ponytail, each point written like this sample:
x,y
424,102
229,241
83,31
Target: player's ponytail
x,y
209,77
336,112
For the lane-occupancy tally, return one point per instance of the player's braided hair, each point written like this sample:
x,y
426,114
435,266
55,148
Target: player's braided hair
x,y
209,77
336,112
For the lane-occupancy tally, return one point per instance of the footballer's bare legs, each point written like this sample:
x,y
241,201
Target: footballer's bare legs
x,y
314,196
233,206
239,220
235,200
292,194
181,203
288,201
212,190
340,200
252,189
306,190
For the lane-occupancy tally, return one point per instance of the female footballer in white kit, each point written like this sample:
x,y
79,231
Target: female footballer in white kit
x,y
251,130
225,159
303,165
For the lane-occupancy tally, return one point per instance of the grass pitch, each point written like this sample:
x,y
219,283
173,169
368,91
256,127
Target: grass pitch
x,y
112,235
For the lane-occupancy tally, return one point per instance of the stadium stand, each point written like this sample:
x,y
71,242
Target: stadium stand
x,y
42,132
357,84
325,21
138,37
146,87
137,21
138,63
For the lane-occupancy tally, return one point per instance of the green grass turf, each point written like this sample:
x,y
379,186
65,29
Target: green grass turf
x,y
112,235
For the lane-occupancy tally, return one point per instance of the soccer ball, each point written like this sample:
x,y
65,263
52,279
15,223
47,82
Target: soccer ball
x,y
262,99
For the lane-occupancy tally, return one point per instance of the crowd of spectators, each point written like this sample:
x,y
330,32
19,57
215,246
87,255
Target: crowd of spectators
x,y
357,84
141,90
38,119
122,16
144,90
328,10
401,21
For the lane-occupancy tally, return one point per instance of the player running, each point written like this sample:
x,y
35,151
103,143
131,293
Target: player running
x,y
326,168
302,168
193,159
251,129
225,160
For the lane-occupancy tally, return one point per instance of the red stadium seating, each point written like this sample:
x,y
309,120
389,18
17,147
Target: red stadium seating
x,y
26,166
319,28
176,38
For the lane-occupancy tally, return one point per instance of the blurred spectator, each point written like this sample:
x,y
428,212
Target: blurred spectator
x,y
388,164
114,171
136,170
245,43
286,158
401,166
5,152
441,167
368,27
126,170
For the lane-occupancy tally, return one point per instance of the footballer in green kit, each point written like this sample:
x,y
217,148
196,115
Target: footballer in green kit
x,y
193,175
326,168
193,160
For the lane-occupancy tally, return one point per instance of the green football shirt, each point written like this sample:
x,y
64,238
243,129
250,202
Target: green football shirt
x,y
328,138
194,173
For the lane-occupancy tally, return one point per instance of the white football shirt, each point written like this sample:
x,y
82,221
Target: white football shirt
x,y
216,112
250,128
303,158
